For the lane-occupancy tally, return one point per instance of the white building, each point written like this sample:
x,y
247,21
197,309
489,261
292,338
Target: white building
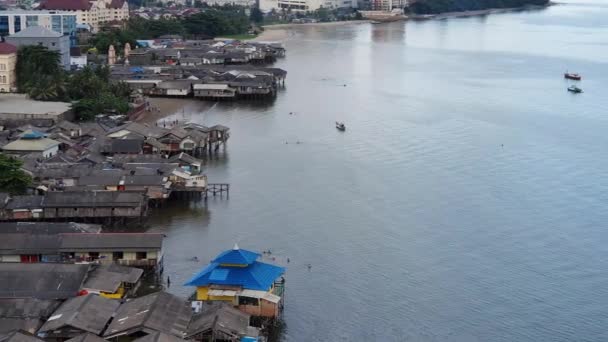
x,y
387,5
14,21
305,5
93,13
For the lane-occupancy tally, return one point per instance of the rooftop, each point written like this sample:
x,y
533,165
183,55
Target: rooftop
x,y
19,104
221,317
159,337
108,278
25,314
7,49
160,311
43,280
36,32
70,5
20,336
47,227
86,337
36,145
228,269
22,243
89,313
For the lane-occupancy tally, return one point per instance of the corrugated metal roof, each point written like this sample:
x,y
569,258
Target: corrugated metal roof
x,y
236,256
44,280
261,295
159,311
89,313
256,276
38,145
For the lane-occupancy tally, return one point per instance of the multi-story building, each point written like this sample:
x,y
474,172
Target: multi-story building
x,y
387,5
38,35
92,13
305,5
14,21
8,62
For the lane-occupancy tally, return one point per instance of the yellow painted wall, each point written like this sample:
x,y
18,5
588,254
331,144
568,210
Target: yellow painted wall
x,y
117,295
129,256
106,256
201,293
224,298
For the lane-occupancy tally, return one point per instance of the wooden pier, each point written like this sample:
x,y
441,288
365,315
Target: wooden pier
x,y
217,189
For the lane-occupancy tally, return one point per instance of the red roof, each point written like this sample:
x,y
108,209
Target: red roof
x,y
66,5
117,4
7,49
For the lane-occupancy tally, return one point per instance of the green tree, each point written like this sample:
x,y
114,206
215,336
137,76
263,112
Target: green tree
x,y
12,179
256,15
39,73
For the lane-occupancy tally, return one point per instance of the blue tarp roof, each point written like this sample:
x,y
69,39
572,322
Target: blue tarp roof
x,y
31,134
257,276
248,339
237,256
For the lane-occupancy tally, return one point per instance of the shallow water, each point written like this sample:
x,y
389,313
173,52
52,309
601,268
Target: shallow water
x,y
465,202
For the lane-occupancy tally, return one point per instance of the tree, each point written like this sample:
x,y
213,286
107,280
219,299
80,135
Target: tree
x,y
39,73
256,15
12,179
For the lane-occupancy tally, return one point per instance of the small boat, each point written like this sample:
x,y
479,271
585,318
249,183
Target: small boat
x,y
340,126
572,76
575,89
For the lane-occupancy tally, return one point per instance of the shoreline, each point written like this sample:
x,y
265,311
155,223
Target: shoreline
x,y
270,31
330,23
465,14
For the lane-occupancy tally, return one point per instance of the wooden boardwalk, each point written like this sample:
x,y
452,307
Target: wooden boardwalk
x,y
216,189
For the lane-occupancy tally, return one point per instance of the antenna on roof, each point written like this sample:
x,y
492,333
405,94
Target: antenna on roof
x,y
236,247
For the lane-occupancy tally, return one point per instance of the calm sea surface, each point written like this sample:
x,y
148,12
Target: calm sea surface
x,y
467,200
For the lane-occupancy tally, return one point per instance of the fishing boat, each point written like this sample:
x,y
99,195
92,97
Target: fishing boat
x,y
572,76
575,89
340,126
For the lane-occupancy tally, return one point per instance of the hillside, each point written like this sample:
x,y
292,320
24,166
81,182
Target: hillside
x,y
442,6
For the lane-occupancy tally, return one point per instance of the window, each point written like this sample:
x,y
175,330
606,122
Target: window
x,y
56,23
31,20
249,301
52,44
17,23
141,255
4,25
117,256
94,255
2,67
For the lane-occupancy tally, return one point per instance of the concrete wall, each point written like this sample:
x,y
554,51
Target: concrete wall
x,y
8,77
61,44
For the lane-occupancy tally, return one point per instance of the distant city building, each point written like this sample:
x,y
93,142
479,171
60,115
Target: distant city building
x,y
93,13
12,22
8,63
305,5
244,3
387,5
38,35
78,60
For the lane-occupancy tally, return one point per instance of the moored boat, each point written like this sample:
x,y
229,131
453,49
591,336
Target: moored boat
x,y
572,76
340,126
575,89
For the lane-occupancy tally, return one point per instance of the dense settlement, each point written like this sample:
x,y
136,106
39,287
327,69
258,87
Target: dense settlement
x,y
66,274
